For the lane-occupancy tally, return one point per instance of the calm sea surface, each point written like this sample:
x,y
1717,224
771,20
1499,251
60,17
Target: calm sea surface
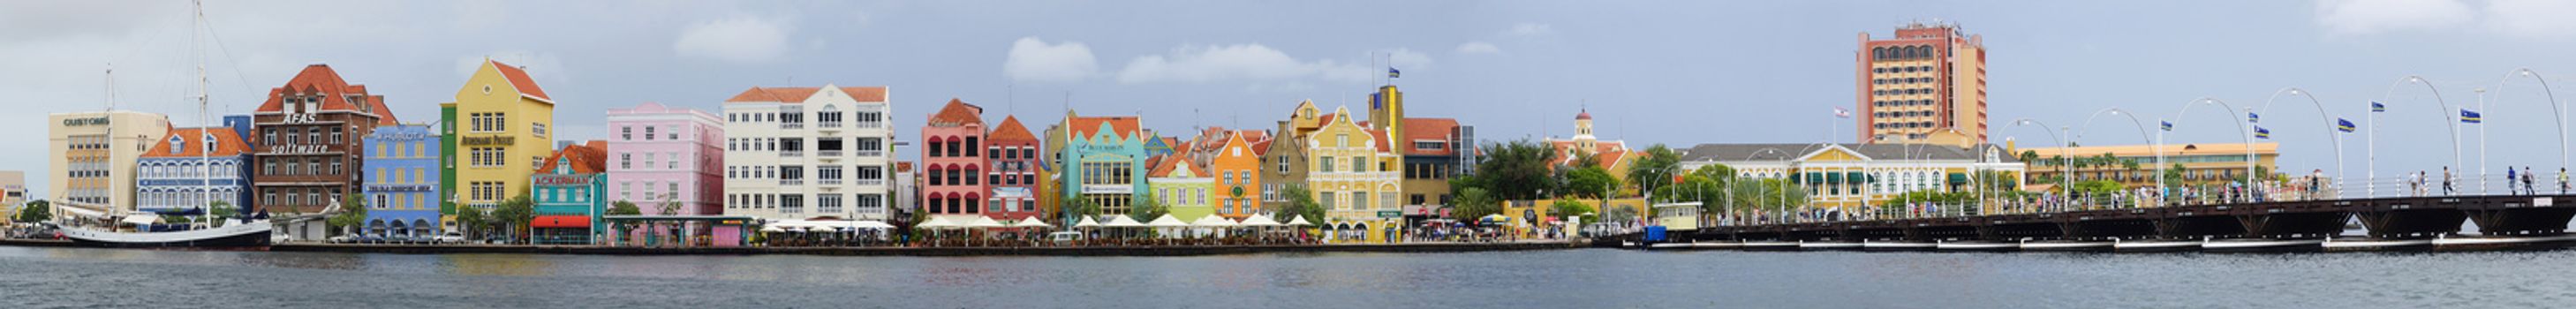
x,y
1591,278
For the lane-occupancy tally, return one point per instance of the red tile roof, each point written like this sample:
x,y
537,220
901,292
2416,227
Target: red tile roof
x,y
519,79
226,143
1165,165
586,158
1126,126
1416,129
320,80
1010,130
799,94
957,113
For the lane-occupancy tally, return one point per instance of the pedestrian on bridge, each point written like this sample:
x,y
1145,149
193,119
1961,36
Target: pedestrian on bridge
x,y
2508,181
2562,180
2527,176
2447,178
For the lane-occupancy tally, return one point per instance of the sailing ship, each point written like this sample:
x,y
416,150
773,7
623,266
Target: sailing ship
x,y
146,230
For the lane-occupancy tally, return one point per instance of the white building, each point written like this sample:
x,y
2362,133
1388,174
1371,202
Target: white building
x,y
808,152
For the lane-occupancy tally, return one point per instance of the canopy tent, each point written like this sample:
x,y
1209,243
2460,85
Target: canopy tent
x,y
871,225
818,228
772,229
1258,220
1167,221
1299,221
141,219
1087,222
1032,221
936,223
1122,221
981,222
1213,221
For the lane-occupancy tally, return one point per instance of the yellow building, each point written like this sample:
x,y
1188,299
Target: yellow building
x,y
2202,164
506,127
93,157
1354,177
1852,177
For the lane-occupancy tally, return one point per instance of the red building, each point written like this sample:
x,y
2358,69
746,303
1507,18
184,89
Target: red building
x,y
1012,152
308,148
953,162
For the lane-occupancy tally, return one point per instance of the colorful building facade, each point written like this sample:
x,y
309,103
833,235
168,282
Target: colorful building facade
x,y
953,162
669,162
94,157
1012,152
1922,80
1182,186
403,177
1354,177
1102,160
809,153
191,169
570,191
1237,168
505,128
310,148
1285,162
1854,177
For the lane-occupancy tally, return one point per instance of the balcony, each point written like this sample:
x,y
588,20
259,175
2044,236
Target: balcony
x,y
791,125
868,153
828,124
828,153
828,182
871,124
791,153
868,182
791,182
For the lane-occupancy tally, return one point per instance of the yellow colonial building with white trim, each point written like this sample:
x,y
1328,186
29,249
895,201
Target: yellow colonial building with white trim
x,y
1852,177
1353,173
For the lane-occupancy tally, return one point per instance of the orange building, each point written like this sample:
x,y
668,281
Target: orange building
x,y
1925,79
1237,169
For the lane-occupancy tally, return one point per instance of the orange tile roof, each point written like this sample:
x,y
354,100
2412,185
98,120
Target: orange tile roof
x,y
957,113
586,158
320,79
226,143
1126,126
1382,144
1010,130
1427,129
519,79
1165,165
798,94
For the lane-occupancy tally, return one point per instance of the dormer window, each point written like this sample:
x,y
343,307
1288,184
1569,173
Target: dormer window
x,y
176,144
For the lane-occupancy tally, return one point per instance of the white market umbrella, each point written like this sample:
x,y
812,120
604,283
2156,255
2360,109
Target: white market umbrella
x,y
1032,221
981,222
1167,221
772,229
1122,221
1213,221
1087,222
936,223
871,225
1298,221
1260,220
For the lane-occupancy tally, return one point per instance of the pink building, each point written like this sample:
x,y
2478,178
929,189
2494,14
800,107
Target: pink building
x,y
952,161
669,163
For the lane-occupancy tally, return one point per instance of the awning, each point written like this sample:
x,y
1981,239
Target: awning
x,y
560,221
936,223
1832,177
141,219
1858,177
1815,177
1958,178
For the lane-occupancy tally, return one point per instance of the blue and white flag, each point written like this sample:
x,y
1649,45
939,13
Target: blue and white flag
x,y
2262,133
2470,116
2168,126
2344,125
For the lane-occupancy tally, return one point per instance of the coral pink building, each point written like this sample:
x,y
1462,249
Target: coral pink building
x,y
952,161
658,156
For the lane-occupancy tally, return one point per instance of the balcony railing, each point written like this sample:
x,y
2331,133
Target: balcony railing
x,y
828,182
791,153
868,182
867,153
828,124
871,124
828,153
791,125
791,182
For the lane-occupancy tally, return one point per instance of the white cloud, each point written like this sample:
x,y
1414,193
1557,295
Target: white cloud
x,y
1479,47
1407,58
1032,59
1529,30
544,67
2530,18
1247,62
736,39
2359,17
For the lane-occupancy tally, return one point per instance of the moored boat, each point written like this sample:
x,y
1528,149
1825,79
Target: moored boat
x,y
240,235
2481,243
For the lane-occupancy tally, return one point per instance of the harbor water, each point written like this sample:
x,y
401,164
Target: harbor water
x,y
1585,278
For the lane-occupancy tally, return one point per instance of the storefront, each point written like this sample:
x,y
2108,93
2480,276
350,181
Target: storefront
x,y
560,230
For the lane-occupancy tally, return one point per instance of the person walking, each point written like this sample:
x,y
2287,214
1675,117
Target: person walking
x,y
2527,176
2447,179
2316,182
2562,180
2508,181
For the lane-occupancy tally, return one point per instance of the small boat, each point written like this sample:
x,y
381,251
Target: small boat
x,y
2066,246
2376,244
238,235
2156,245
1975,246
1870,245
1769,245
2478,243
2264,245
1828,245
1669,246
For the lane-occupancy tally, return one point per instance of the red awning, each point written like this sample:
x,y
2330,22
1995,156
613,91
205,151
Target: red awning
x,y
560,222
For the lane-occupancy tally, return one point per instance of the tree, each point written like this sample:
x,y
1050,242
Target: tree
x,y
36,211
1301,203
514,215
1768,194
1147,207
353,213
2028,156
1567,207
1589,181
470,220
222,210
1656,169
2097,187
1517,170
623,208
1473,203
1079,206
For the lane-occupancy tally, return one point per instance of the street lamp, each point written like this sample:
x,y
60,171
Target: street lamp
x,y
2133,121
2556,112
2331,126
2065,177
2373,141
2250,160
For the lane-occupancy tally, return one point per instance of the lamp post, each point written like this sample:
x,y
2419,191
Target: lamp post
x,y
2250,160
2331,126
2065,177
2133,121
2557,113
2373,141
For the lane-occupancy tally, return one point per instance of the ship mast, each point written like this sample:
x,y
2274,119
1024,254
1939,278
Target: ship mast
x,y
205,142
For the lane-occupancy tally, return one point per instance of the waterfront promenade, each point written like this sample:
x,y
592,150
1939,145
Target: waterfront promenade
x,y
1435,247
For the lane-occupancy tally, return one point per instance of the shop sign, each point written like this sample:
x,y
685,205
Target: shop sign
x,y
1389,214
1108,189
488,140
93,121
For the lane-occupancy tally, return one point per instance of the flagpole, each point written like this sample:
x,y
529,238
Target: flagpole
x,y
2483,186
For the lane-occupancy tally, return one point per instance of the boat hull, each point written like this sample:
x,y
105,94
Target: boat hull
x,y
2066,246
2504,243
2262,245
1977,246
1828,246
2377,244
2150,246
245,236
1770,246
1891,246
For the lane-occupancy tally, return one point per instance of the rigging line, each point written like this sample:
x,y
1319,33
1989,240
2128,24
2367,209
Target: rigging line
x,y
239,80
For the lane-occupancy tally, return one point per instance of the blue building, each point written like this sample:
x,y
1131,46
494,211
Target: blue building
x,y
192,169
1101,159
402,181
570,190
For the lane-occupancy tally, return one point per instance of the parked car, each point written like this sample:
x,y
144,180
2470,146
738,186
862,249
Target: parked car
x,y
1064,238
342,239
449,238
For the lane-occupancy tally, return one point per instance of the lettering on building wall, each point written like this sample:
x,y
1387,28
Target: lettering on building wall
x,y
488,140
75,122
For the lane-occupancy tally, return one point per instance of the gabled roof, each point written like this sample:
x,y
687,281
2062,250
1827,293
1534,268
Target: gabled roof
x,y
319,79
793,95
519,79
1124,126
586,158
1010,130
1383,146
1417,129
957,113
226,143
1165,165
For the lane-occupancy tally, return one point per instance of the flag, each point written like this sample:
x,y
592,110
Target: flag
x,y
2470,116
1392,73
2343,125
2262,133
2250,117
2168,126
1840,112
2375,107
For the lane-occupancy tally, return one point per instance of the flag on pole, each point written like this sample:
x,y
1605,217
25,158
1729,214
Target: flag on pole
x,y
2262,133
1840,112
2168,126
2375,107
2250,117
1392,73
2344,125
2470,116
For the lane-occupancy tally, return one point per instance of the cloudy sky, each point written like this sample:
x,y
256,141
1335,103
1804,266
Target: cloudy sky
x,y
1652,72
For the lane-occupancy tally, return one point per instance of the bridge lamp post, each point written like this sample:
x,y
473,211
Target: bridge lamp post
x,y
2331,127
2373,141
2133,121
2065,177
2250,159
2557,113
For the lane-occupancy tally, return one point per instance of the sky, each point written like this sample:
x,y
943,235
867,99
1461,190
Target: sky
x,y
1651,72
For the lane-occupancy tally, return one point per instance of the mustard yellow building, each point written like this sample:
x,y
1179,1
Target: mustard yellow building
x,y
2202,164
505,125
1353,174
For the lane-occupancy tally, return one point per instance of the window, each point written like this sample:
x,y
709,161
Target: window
x,y
791,203
828,203
625,133
1328,199
539,129
626,161
1325,165
648,133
